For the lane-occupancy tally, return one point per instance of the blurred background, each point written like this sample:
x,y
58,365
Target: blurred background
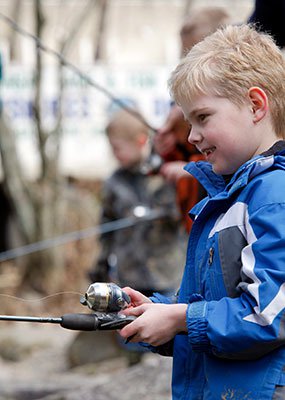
x,y
128,47
66,66
52,137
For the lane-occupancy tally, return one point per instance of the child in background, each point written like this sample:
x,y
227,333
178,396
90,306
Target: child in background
x,y
147,256
227,327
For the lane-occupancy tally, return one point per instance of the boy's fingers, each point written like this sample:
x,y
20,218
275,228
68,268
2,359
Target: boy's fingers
x,y
136,311
137,298
129,331
128,290
134,294
132,338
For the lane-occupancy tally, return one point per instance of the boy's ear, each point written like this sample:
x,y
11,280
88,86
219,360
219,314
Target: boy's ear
x,y
259,103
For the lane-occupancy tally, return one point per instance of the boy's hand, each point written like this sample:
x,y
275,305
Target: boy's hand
x,y
173,171
156,323
137,298
175,130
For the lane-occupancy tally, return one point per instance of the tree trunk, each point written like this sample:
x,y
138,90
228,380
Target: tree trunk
x,y
187,7
38,206
16,12
45,268
16,188
101,30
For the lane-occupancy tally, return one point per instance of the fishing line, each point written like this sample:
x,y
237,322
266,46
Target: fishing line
x,y
133,220
42,298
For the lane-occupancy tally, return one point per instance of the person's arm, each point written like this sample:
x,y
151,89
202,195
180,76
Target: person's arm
x,y
175,130
171,143
251,325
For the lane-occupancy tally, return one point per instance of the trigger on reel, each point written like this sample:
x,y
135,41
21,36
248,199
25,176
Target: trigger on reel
x,y
115,321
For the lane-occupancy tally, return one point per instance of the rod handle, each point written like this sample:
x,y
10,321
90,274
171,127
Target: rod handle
x,y
80,322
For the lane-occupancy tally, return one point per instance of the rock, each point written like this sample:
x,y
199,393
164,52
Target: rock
x,y
12,350
93,347
149,380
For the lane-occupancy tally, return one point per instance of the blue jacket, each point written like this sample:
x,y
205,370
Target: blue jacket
x,y
234,285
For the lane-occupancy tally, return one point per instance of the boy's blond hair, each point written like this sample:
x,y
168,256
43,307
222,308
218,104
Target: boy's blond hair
x,y
126,126
227,64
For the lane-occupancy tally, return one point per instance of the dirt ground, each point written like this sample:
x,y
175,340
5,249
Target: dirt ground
x,y
34,365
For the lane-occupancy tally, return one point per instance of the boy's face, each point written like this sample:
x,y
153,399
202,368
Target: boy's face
x,y
127,152
223,132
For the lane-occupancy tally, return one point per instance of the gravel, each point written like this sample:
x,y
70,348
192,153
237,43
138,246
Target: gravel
x,y
34,366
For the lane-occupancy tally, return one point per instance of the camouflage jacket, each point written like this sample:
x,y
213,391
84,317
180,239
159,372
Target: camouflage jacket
x,y
148,256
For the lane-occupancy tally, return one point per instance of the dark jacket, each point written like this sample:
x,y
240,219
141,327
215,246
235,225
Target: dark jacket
x,y
269,16
150,255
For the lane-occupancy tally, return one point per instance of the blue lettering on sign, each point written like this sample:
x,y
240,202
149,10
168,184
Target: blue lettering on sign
x,y
18,108
54,107
76,107
72,108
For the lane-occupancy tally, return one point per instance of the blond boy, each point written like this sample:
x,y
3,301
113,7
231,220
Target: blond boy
x,y
228,323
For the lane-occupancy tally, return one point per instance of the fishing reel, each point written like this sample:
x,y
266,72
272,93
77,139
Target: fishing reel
x,y
106,300
105,297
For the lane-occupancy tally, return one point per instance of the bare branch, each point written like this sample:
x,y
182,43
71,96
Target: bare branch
x,y
19,194
101,29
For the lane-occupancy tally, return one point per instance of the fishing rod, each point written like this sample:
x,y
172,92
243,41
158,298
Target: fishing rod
x,y
105,299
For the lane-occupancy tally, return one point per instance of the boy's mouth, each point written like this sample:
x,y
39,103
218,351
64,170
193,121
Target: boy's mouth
x,y
208,151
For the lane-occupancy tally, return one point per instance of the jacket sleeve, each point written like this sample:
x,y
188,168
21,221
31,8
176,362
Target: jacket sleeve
x,y
251,325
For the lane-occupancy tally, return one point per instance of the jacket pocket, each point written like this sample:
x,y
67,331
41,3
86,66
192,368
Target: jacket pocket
x,y
214,286
231,243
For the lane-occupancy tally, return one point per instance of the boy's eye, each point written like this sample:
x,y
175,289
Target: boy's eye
x,y
202,117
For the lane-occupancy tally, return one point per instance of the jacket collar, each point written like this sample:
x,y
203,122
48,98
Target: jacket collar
x,y
215,184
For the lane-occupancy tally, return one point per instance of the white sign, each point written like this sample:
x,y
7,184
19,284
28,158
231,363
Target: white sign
x,y
86,110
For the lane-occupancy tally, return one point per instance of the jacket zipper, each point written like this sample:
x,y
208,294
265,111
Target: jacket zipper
x,y
211,256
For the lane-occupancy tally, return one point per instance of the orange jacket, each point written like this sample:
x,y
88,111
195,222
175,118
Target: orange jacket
x,y
188,189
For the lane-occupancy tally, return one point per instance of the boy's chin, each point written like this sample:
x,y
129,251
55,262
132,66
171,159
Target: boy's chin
x,y
217,171
222,171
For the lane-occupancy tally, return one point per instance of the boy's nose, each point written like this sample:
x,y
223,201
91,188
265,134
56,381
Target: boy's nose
x,y
194,136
